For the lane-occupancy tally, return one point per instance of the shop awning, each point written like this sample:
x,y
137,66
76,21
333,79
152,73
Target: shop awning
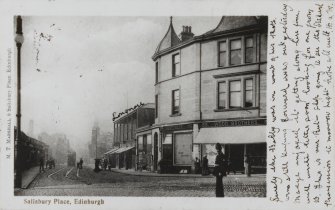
x,y
123,149
231,135
111,151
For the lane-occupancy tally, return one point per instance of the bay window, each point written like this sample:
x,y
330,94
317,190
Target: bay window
x,y
236,93
236,51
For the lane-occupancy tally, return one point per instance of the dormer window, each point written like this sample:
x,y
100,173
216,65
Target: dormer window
x,y
175,65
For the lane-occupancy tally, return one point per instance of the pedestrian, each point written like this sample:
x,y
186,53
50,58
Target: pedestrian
x,y
247,165
104,163
41,164
220,170
81,163
205,170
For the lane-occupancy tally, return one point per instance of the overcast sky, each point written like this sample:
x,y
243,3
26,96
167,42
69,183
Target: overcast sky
x,y
79,70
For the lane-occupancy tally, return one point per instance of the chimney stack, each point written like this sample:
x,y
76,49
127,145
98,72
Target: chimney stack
x,y
186,34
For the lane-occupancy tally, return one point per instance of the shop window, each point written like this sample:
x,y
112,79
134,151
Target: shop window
x,y
236,52
175,65
235,94
149,144
222,53
248,95
145,144
167,147
222,95
249,50
140,143
175,102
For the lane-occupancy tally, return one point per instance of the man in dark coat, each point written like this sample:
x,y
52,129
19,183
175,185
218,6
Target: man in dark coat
x,y
219,170
81,163
41,164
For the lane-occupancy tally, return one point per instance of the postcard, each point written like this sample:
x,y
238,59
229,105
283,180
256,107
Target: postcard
x,y
167,104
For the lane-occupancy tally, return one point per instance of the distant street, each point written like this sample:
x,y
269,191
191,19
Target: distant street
x,y
67,181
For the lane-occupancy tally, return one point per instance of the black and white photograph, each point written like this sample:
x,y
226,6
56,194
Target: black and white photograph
x,y
160,106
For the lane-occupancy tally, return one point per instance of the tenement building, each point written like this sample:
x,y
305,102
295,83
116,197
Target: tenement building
x,y
211,89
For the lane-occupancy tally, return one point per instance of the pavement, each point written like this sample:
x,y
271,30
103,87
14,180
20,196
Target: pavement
x,y
29,175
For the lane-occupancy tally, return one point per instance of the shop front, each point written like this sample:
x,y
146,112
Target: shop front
x,y
144,151
176,146
241,144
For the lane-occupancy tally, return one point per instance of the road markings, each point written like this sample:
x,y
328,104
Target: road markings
x,y
55,172
69,171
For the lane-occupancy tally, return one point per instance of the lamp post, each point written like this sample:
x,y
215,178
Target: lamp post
x,y
19,41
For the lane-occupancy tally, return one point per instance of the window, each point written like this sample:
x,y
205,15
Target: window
x,y
249,50
156,71
175,102
235,94
156,106
248,100
222,53
222,95
175,65
235,52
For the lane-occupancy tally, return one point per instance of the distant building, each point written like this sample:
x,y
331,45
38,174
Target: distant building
x,y
59,146
211,89
93,147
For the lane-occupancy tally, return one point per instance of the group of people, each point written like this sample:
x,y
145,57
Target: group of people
x,y
204,170
105,164
49,164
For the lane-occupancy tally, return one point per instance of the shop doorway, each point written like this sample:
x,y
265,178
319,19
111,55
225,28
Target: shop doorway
x,y
155,151
235,154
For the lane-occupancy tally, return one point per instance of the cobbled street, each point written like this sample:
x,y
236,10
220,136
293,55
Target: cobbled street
x,y
68,181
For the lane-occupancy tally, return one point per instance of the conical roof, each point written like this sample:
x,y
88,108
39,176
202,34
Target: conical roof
x,y
169,40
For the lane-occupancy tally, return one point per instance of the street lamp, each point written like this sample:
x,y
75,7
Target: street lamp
x,y
19,41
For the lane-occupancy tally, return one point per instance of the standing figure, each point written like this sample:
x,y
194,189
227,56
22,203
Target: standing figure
x,y
41,164
197,165
81,163
205,170
247,165
219,170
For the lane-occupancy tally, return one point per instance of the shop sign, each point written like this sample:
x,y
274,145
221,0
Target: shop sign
x,y
178,127
233,123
